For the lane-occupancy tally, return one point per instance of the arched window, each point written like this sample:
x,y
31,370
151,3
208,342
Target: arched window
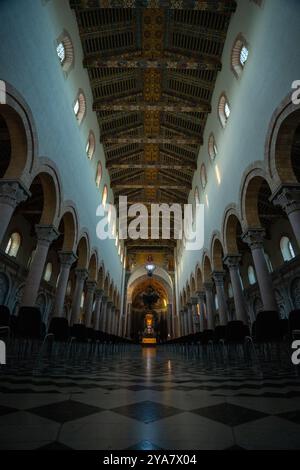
x,y
216,302
212,147
104,196
98,174
91,145
224,110
13,244
82,300
251,275
80,107
269,263
48,272
287,249
65,51
239,55
203,176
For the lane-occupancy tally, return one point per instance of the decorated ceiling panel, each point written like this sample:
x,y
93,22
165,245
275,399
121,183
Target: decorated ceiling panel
x,y
152,66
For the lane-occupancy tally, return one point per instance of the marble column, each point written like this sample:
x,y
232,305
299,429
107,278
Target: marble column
x,y
98,298
66,258
103,313
81,276
12,193
186,322
210,310
46,234
169,321
288,198
89,302
112,320
181,321
201,297
255,239
129,320
218,277
190,318
233,263
108,316
194,301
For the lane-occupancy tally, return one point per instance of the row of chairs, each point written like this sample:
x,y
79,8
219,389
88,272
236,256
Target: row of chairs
x,y
267,331
26,334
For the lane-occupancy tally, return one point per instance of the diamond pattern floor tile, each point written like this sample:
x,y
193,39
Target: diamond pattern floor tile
x,y
65,411
230,415
147,411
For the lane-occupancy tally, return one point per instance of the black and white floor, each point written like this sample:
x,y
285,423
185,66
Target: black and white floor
x,y
148,399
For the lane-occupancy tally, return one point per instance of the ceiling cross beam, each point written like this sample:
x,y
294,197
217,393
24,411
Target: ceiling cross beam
x,y
221,6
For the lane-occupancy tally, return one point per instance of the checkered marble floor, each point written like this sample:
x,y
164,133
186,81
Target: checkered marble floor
x,y
148,399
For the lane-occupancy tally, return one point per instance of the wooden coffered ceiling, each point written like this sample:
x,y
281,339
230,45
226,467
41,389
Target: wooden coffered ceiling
x,y
152,65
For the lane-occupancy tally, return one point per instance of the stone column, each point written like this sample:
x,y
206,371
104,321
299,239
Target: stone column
x,y
66,258
103,313
98,297
219,283
186,322
201,297
255,239
118,326
190,318
108,316
129,320
288,198
194,301
81,276
46,234
112,320
208,287
169,321
89,302
181,323
12,193
233,262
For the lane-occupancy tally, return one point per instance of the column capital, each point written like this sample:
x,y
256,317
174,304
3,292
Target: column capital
x,y
81,274
91,286
287,197
99,294
208,286
218,277
46,234
13,192
232,261
254,237
201,295
67,258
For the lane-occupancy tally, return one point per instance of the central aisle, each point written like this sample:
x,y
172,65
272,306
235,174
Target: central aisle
x,y
149,399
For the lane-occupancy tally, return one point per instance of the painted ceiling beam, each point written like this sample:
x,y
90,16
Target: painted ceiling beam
x,y
150,166
149,185
153,140
155,106
223,6
202,63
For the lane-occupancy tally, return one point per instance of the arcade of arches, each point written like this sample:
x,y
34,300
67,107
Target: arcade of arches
x,y
173,90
